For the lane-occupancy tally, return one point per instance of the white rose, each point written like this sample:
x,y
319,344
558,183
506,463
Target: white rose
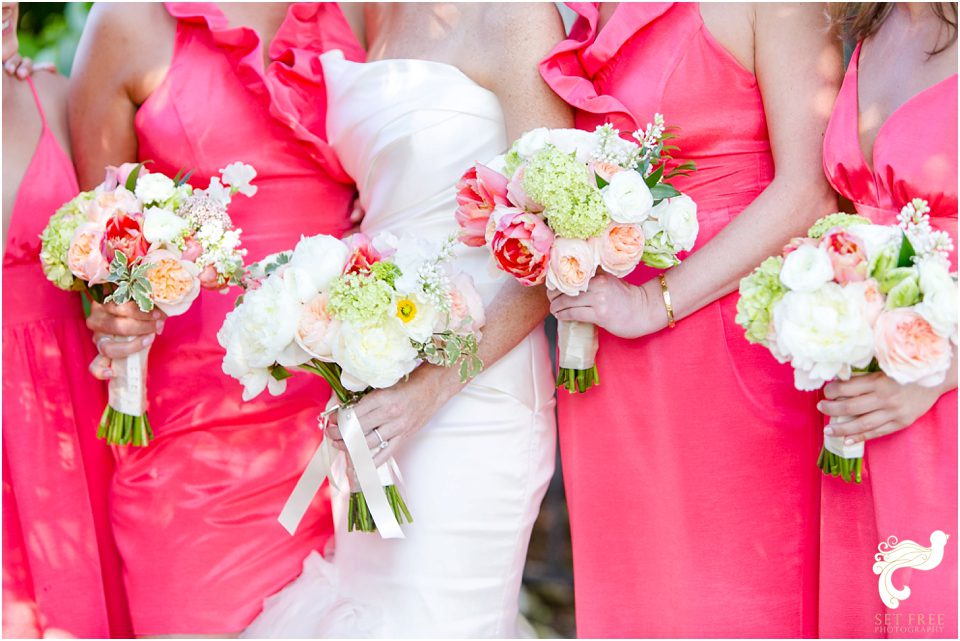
x,y
628,198
162,225
678,217
532,142
154,188
373,355
824,334
321,258
238,175
806,268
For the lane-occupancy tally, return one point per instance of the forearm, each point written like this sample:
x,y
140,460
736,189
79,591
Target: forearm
x,y
782,211
511,316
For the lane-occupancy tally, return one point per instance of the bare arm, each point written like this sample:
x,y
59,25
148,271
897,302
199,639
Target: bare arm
x,y
798,67
113,73
519,36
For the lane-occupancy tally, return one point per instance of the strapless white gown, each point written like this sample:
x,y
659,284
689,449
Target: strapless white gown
x,y
475,475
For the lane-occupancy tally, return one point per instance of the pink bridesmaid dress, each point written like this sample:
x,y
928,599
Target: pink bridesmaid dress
x,y
195,513
61,571
690,471
909,487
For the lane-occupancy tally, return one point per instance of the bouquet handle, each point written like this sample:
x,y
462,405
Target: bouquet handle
x,y
124,421
368,476
577,343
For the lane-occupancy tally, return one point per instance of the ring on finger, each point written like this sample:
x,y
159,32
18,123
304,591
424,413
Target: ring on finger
x,y
383,444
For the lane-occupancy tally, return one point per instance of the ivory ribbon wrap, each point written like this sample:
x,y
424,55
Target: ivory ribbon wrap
x,y
836,445
127,390
372,480
578,343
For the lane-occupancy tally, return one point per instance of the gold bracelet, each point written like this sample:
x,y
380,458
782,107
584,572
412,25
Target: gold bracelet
x,y
666,301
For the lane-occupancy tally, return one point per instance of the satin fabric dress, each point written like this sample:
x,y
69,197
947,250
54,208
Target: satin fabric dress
x,y
474,476
690,471
61,570
909,486
195,513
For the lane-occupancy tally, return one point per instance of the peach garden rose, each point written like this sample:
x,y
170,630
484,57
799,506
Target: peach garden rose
x,y
620,249
909,350
175,283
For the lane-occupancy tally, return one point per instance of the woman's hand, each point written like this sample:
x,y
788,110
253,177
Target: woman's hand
x,y
110,320
398,412
20,67
622,309
879,404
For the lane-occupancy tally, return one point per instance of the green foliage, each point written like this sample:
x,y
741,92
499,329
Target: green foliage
x,y
132,283
50,31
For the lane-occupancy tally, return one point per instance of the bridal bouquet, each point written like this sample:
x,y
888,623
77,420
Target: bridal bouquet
x,y
563,203
854,297
362,314
151,239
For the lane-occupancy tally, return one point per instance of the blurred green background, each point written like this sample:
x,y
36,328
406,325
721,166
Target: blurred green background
x,y
50,32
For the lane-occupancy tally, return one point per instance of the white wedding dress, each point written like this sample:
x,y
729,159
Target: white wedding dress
x,y
474,476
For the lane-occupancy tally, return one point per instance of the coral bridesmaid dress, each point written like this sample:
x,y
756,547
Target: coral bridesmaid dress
x,y
61,571
195,513
690,471
909,487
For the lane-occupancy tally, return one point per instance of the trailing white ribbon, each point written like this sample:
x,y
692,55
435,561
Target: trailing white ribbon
x,y
127,390
578,343
836,445
372,480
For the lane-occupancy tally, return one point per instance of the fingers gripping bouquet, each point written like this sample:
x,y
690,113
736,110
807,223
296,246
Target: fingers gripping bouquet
x,y
153,240
362,314
854,297
564,203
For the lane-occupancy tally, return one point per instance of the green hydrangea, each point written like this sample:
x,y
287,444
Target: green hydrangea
x,y
55,242
759,292
359,298
827,223
572,204
385,272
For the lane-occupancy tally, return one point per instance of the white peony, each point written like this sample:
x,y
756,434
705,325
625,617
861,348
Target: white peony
x,y
376,355
411,254
823,333
268,322
939,304
532,141
806,269
317,260
678,218
154,188
238,175
875,238
627,197
162,225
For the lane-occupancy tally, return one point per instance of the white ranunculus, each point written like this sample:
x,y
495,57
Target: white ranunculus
x,y
162,225
373,355
533,141
806,268
823,333
320,257
238,175
628,198
154,188
575,141
678,218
